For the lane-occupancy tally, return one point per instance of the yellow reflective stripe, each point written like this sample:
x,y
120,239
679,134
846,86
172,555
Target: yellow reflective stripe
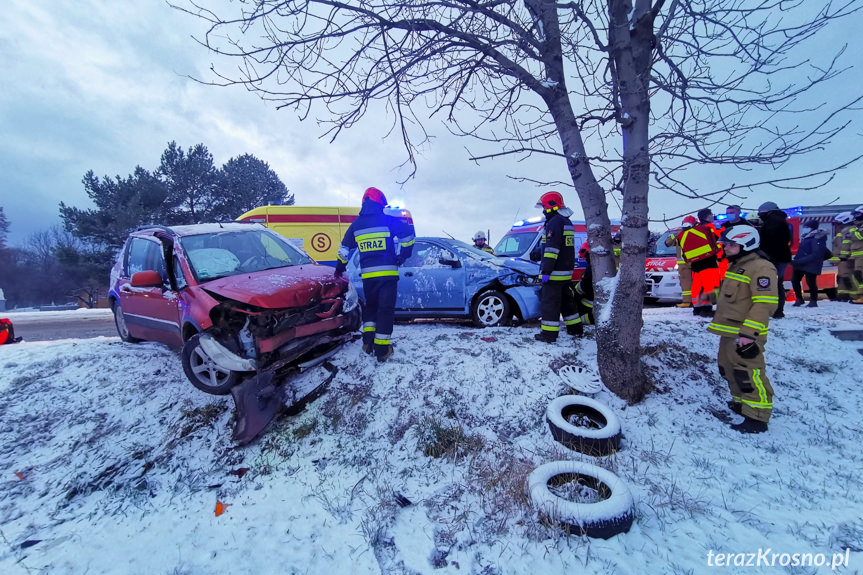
x,y
762,393
724,328
765,299
406,244
341,259
739,277
373,236
550,255
697,252
368,328
381,341
687,293
550,327
380,274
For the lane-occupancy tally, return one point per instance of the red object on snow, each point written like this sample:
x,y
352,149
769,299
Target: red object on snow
x,y
220,507
489,339
7,332
239,472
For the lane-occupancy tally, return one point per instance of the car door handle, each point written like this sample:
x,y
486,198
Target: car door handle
x,y
409,274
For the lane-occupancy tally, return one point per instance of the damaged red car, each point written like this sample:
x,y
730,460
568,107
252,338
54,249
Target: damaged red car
x,y
243,304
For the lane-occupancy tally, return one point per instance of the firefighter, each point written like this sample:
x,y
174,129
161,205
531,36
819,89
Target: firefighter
x,y
376,234
856,248
583,295
698,245
556,266
479,242
842,256
748,297
684,270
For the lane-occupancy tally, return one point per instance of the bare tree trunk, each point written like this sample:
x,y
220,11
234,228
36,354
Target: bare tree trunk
x,y
621,299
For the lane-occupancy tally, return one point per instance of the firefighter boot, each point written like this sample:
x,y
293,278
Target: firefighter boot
x,y
546,336
368,342
383,352
750,426
685,304
576,330
859,300
736,407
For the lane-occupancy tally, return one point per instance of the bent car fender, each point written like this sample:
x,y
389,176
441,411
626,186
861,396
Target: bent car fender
x,y
527,300
199,305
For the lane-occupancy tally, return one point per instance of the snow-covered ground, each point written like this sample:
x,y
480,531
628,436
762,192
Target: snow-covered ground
x,y
113,463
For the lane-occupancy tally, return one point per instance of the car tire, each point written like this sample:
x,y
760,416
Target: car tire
x,y
490,308
203,372
611,515
120,324
601,438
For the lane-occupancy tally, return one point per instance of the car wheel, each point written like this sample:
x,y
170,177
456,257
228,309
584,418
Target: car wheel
x,y
585,499
122,328
203,372
490,308
584,424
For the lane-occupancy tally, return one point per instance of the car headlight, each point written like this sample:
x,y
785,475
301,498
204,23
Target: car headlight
x,y
352,299
530,280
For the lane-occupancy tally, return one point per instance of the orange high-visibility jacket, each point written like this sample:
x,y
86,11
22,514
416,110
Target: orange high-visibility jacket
x,y
697,243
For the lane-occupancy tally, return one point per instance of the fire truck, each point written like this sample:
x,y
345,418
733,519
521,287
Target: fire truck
x,y
662,283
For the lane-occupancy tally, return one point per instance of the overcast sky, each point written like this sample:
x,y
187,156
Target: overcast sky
x,y
103,85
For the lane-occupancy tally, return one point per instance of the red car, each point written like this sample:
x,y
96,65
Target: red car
x,y
237,298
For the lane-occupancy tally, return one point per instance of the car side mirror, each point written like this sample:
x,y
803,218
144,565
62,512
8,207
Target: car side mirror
x,y
450,263
535,253
147,278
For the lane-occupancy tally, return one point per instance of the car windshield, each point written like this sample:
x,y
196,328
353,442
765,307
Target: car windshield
x,y
514,245
661,250
469,250
231,253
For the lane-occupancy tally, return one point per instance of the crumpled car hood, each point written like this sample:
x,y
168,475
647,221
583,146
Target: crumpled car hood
x,y
287,287
524,266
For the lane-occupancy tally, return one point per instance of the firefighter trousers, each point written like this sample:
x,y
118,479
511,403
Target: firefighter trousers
x,y
556,300
747,379
845,280
378,312
705,283
684,272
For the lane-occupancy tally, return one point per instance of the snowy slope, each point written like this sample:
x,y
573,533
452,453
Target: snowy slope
x,y
114,463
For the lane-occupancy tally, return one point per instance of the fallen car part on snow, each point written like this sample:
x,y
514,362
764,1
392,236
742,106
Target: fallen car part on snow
x,y
575,378
584,424
603,505
259,399
7,332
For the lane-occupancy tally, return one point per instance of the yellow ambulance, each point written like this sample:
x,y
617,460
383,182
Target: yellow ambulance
x,y
318,230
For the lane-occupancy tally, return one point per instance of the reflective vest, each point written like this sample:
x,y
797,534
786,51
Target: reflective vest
x,y
697,243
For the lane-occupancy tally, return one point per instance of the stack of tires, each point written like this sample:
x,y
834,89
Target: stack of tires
x,y
603,505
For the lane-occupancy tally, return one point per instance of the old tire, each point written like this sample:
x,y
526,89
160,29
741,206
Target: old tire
x,y
611,515
600,436
120,324
490,308
203,372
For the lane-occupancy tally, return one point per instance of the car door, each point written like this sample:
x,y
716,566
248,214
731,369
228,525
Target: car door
x,y
431,280
151,312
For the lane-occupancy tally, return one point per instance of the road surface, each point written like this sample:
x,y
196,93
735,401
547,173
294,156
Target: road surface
x,y
52,325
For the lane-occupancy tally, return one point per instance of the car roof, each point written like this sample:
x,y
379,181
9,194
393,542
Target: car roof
x,y
199,229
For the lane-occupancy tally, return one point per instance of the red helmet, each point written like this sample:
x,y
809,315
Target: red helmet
x,y
375,195
550,201
689,221
584,250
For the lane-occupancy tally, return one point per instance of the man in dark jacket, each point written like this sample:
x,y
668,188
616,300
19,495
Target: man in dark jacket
x,y
808,262
776,243
375,234
556,267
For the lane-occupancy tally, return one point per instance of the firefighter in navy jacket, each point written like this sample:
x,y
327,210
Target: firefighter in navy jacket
x,y
375,234
556,266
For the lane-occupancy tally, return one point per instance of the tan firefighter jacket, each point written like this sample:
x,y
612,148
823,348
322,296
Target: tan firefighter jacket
x,y
748,297
842,243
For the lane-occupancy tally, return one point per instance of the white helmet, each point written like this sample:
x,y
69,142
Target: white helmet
x,y
746,236
478,235
844,218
